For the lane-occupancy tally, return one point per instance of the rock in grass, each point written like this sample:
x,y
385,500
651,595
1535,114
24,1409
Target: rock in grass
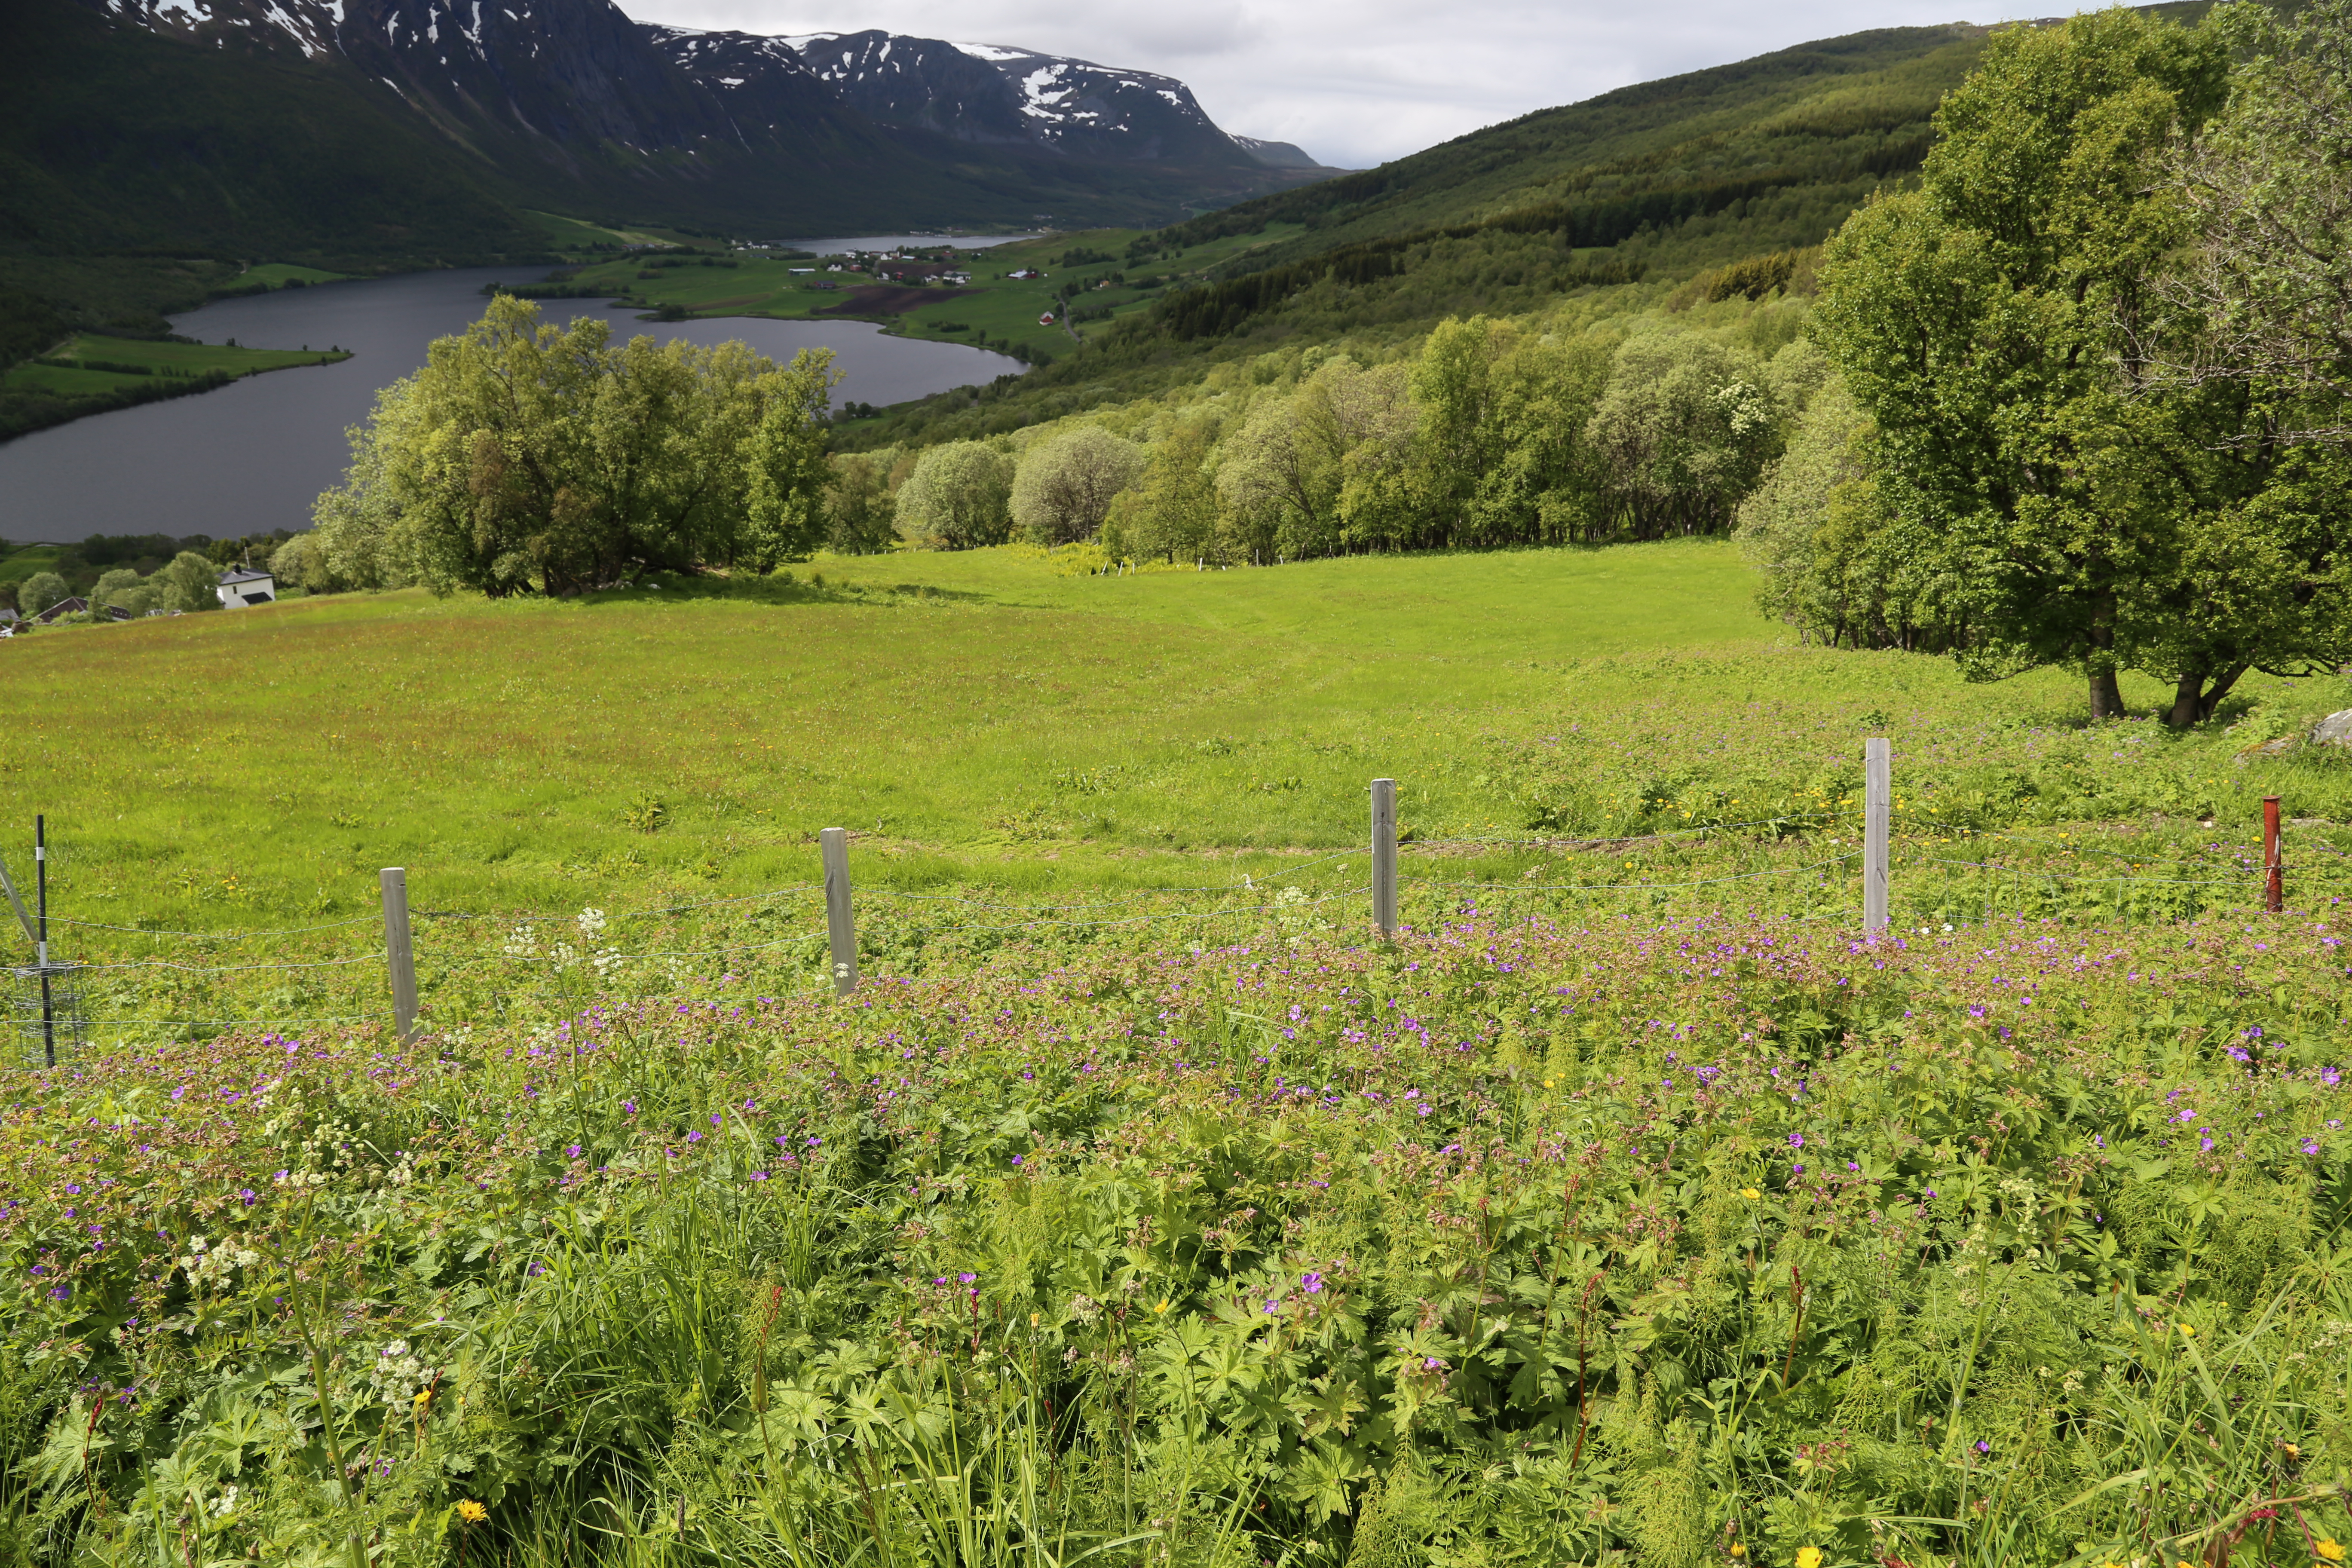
x,y
2336,730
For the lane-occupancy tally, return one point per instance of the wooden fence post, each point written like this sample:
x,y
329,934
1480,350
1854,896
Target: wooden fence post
x,y
399,955
1878,767
1384,897
2274,873
840,927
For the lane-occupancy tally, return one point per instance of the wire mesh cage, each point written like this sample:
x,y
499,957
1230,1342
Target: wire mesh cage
x,y
45,1007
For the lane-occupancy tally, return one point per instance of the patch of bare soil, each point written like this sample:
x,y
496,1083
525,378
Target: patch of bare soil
x,y
889,299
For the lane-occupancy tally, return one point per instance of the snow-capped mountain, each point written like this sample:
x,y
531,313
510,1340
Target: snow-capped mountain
x,y
580,70
570,105
981,92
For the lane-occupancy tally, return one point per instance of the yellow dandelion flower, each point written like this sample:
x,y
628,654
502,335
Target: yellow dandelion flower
x,y
1749,1192
2327,1548
472,1512
1809,1557
1162,1308
2187,1330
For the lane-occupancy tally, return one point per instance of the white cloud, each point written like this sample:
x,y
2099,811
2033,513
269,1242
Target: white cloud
x,y
1354,82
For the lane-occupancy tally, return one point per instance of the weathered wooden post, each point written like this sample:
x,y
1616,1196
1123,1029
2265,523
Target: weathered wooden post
x,y
399,955
1878,806
2274,873
1384,897
840,927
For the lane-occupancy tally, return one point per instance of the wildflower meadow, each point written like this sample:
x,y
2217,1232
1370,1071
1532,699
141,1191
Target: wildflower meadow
x,y
1695,1240
1142,1207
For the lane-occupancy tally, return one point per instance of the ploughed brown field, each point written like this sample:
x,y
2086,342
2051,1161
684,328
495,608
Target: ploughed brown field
x,y
887,300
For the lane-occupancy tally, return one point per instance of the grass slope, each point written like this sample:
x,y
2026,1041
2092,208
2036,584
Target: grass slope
x,y
982,720
1626,1224
92,374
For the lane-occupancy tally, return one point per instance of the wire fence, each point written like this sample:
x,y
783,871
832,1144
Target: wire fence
x,y
499,965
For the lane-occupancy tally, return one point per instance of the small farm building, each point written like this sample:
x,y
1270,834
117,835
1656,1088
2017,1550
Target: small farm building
x,y
243,587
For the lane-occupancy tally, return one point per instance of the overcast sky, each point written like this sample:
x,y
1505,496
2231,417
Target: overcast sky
x,y
1356,82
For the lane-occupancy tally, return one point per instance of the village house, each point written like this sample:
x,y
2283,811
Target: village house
x,y
61,610
245,586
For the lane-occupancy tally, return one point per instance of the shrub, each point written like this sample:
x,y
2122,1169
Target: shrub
x,y
1065,483
957,497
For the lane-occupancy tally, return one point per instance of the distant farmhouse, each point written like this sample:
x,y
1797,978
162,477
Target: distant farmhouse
x,y
61,610
240,588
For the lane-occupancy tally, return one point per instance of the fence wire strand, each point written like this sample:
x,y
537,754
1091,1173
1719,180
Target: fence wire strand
x,y
1281,883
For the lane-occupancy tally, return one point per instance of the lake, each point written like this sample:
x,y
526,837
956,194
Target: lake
x,y
252,456
875,242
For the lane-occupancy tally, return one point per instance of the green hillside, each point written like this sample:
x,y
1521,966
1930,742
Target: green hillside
x,y
1800,131
1640,190
1643,186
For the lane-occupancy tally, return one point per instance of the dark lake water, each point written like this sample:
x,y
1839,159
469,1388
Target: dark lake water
x,y
252,456
839,245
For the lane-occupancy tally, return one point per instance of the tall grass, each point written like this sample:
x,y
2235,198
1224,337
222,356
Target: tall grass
x,y
1519,1242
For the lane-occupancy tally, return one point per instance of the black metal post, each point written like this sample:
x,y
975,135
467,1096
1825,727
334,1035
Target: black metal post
x,y
41,954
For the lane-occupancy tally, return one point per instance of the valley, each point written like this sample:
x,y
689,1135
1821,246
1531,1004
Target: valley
x,y
1623,846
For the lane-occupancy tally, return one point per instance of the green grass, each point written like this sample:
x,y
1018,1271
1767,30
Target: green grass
x,y
570,232
985,719
26,559
1001,310
69,368
277,274
1536,1242
1139,1204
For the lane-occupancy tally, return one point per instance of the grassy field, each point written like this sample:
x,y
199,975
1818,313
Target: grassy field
x,y
23,560
999,308
1627,1210
278,274
988,721
109,372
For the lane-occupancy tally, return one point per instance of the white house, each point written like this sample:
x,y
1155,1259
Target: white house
x,y
240,588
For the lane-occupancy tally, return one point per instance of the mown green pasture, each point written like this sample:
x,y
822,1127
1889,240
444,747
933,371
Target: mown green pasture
x,y
84,368
278,274
992,720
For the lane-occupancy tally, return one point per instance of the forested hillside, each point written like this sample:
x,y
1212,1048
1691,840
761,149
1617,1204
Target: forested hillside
x,y
1648,184
1735,171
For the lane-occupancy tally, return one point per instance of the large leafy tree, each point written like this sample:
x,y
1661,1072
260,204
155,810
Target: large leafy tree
x,y
1682,432
957,497
528,458
2269,186
1063,487
1987,322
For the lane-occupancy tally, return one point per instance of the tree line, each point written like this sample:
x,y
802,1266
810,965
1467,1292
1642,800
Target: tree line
x,y
526,457
2075,397
2089,407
